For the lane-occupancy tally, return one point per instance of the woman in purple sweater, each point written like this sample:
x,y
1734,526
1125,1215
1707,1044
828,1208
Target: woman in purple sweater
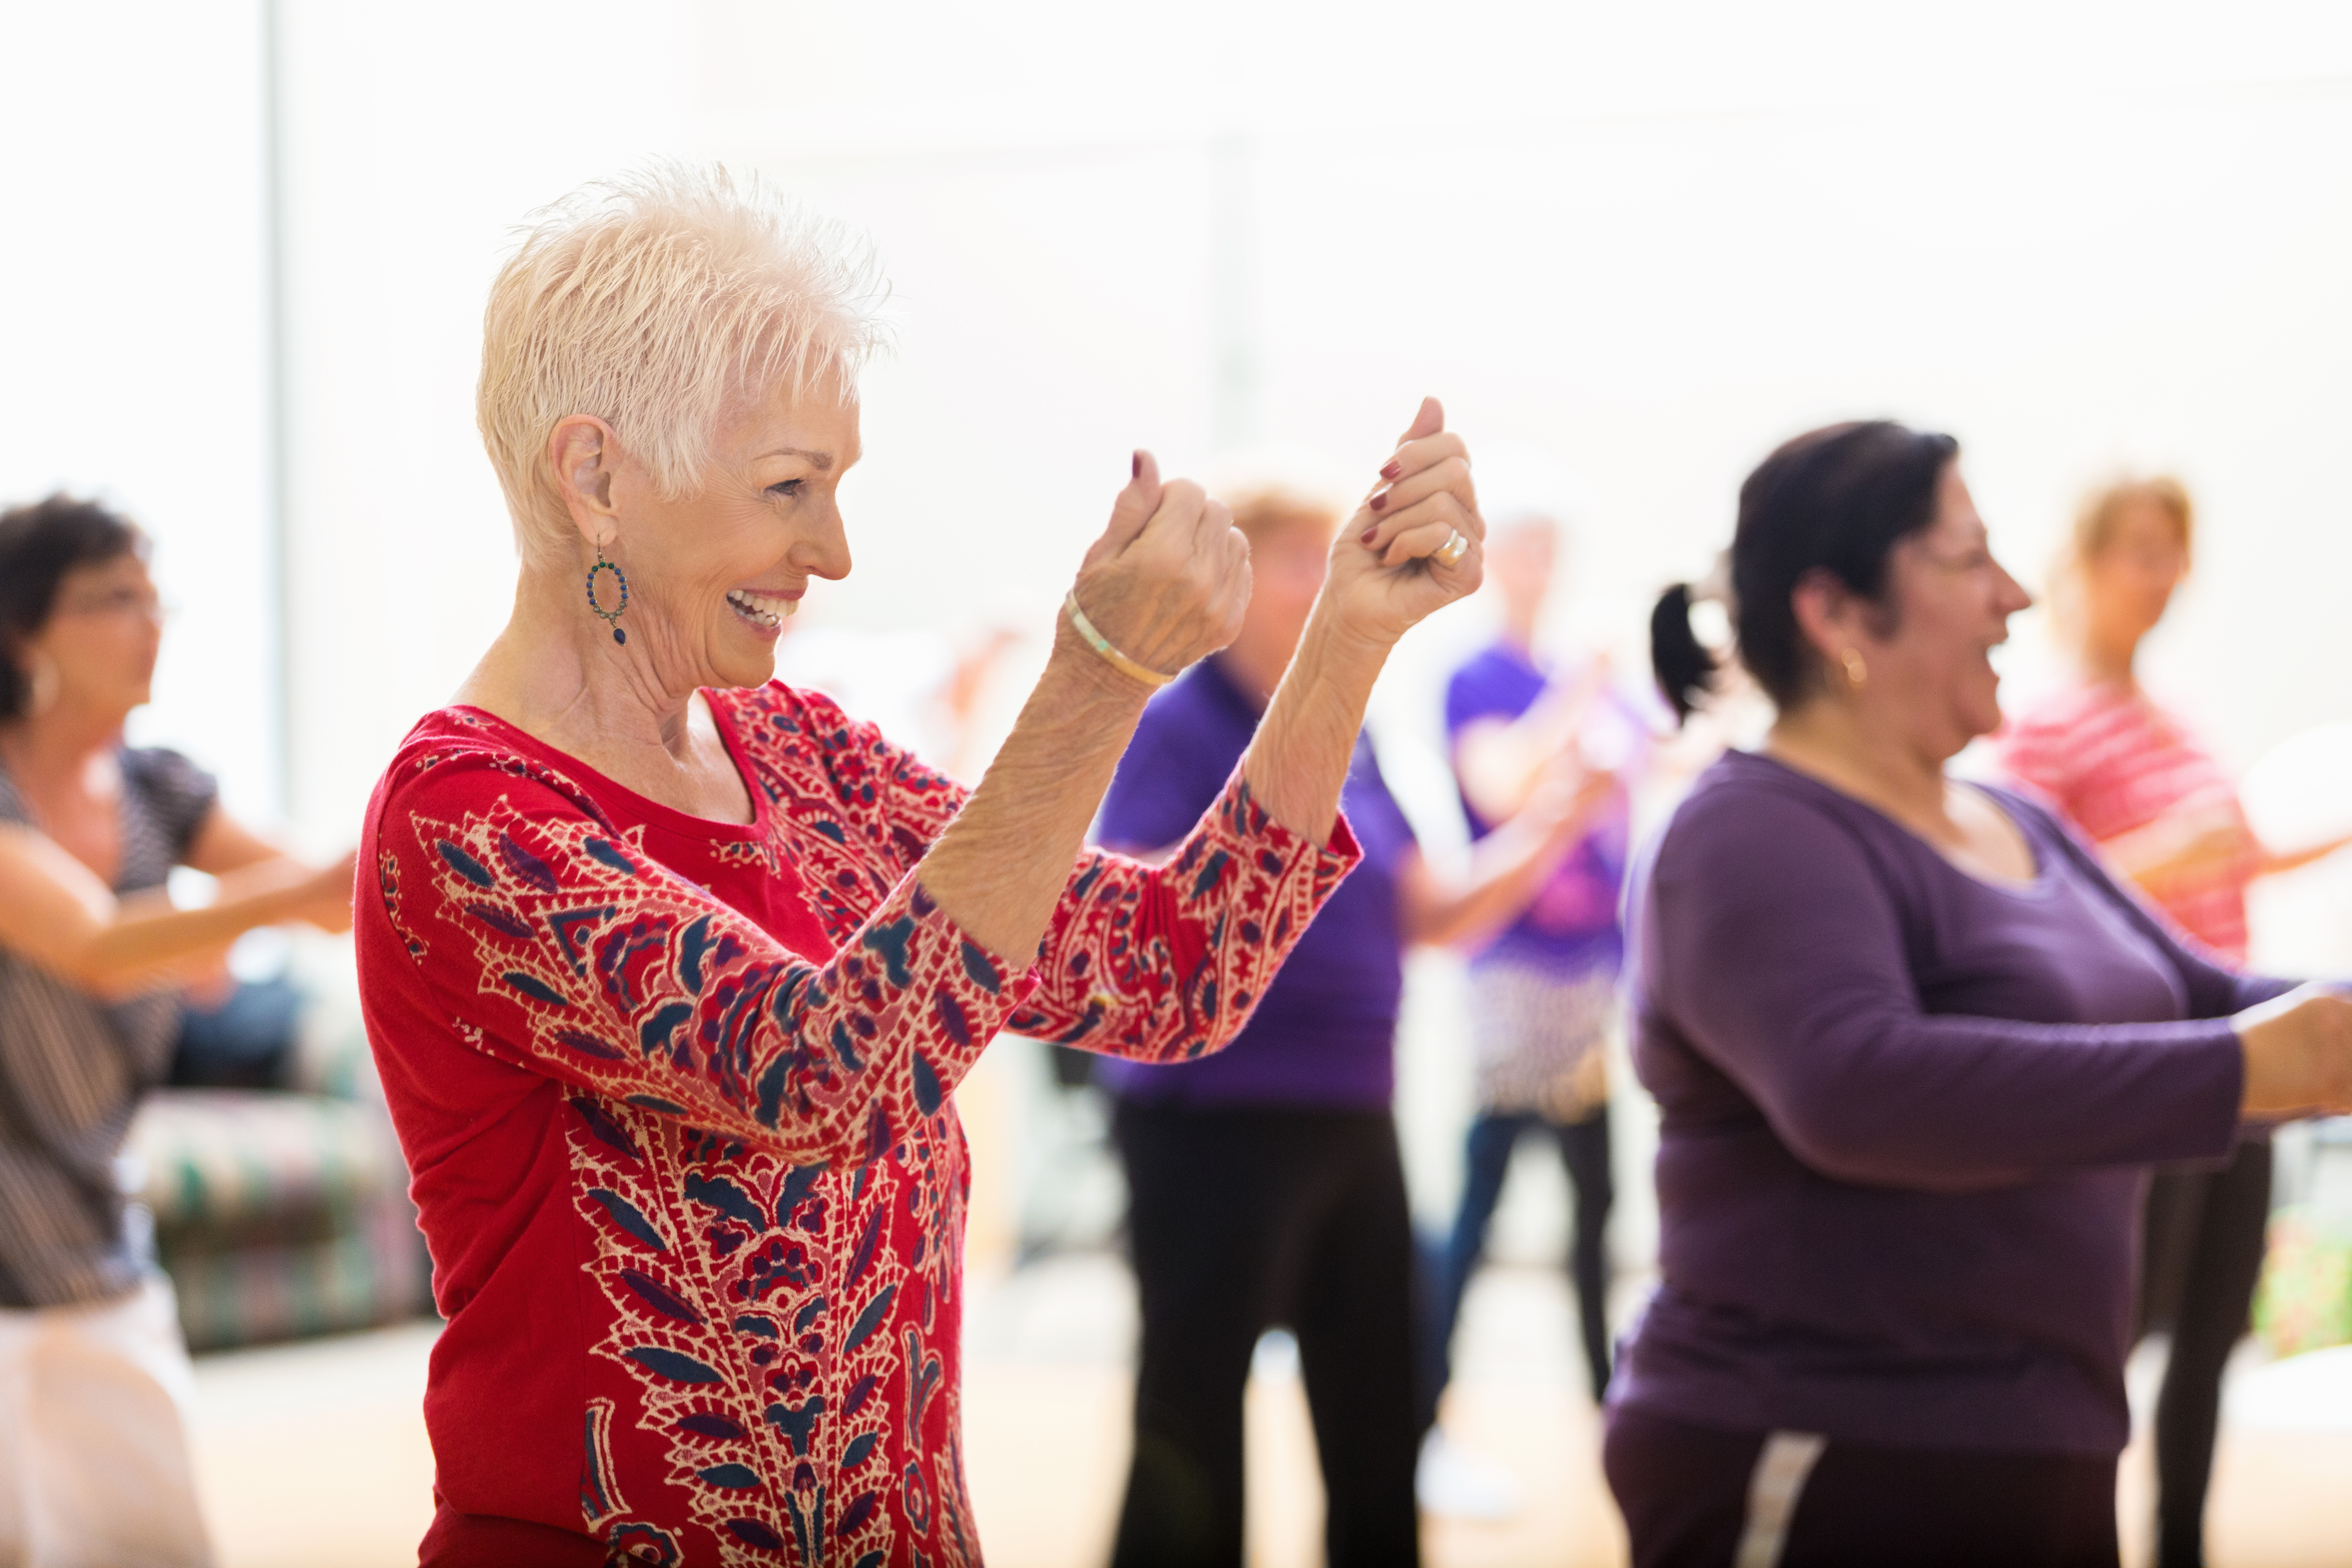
x,y
1914,1051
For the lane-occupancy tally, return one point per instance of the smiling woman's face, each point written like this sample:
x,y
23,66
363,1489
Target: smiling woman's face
x,y
2128,583
713,575
1953,601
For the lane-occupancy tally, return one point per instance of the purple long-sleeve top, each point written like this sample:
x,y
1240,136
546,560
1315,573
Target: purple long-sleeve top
x,y
1907,1117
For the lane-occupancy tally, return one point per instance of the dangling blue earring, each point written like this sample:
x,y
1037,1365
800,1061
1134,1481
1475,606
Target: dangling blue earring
x,y
611,617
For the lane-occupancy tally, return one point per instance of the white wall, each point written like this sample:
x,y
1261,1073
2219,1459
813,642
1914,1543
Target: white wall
x,y
1651,243
2075,236
416,137
131,342
1652,240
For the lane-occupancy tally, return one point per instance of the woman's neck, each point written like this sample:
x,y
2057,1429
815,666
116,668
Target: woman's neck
x,y
2109,659
57,749
1830,740
559,676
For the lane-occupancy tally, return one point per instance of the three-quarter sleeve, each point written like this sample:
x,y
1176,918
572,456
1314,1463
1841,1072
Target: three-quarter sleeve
x,y
1164,964
554,943
1160,963
1775,947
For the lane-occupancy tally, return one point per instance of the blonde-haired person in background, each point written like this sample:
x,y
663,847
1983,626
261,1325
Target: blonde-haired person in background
x,y
672,969
1265,1183
2141,785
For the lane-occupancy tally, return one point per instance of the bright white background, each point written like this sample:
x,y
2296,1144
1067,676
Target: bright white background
x,y
1651,244
1650,241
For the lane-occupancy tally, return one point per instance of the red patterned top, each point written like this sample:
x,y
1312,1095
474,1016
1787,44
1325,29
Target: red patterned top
x,y
2115,761
677,1097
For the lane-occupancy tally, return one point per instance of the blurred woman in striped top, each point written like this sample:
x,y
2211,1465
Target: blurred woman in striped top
x,y
2143,786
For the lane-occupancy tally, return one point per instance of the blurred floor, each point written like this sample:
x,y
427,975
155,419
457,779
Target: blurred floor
x,y
314,1456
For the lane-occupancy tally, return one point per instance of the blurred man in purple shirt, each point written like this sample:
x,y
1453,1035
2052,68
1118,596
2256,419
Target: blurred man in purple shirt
x,y
1264,1183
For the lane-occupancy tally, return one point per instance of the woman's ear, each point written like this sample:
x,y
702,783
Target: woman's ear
x,y
1825,610
581,452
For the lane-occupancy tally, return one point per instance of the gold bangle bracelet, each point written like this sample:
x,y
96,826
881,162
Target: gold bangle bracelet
x,y
1101,645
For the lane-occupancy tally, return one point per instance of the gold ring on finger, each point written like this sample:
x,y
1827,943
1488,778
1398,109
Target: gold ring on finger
x,y
1455,547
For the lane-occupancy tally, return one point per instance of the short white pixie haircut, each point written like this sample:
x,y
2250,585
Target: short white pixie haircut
x,y
657,301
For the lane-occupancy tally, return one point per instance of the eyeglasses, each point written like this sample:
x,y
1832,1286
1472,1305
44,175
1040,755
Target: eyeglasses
x,y
121,604
1976,559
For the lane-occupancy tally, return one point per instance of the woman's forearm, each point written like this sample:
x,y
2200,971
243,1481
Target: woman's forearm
x,y
1507,868
1297,761
57,913
1000,867
2276,863
147,939
2172,844
1500,761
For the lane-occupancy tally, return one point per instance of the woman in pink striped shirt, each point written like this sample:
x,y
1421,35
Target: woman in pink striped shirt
x,y
2166,814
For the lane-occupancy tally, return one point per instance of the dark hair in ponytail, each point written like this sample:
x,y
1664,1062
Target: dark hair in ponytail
x,y
1836,500
1685,667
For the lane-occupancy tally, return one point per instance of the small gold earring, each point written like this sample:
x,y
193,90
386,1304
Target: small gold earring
x,y
41,686
1856,672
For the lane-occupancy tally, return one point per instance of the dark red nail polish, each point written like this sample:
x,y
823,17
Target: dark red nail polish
x,y
1135,467
1369,534
1392,472
1377,502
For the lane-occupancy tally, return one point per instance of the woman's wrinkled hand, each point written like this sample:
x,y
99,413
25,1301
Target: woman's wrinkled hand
x,y
2298,1051
1167,582
1387,572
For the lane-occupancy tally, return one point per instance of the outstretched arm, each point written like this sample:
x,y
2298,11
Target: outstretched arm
x,y
1166,964
57,913
557,944
1778,953
1389,569
1500,763
550,941
594,964
1167,582
1509,866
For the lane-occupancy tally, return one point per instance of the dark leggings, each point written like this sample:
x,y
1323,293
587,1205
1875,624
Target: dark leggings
x,y
246,1042
2203,1254
1240,1220
1685,1490
1487,1158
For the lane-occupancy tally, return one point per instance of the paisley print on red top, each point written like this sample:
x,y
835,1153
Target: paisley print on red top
x,y
677,1100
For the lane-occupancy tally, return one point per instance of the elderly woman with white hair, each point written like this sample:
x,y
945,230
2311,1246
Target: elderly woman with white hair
x,y
673,970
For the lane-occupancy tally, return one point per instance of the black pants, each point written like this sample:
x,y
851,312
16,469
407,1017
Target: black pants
x,y
1685,1492
1242,1219
1486,1157
247,1042
2202,1258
